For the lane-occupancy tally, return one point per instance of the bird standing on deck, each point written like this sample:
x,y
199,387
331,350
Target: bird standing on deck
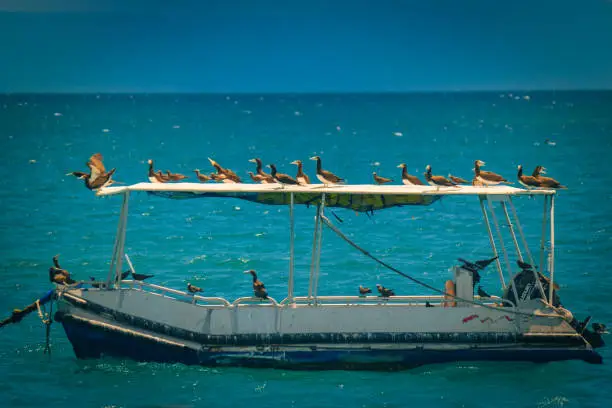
x,y
384,292
364,291
438,181
380,180
281,178
488,178
259,289
201,177
527,181
193,289
547,182
324,176
301,177
408,179
264,178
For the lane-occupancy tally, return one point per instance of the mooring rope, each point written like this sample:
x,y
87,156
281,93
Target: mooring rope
x,y
328,223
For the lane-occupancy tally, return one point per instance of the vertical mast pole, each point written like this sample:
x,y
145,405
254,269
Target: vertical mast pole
x,y
118,238
551,265
492,241
318,256
315,239
121,247
291,251
543,239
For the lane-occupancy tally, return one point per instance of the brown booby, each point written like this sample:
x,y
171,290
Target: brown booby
x,y
457,180
547,182
59,275
259,289
175,176
487,177
527,181
201,177
301,177
265,177
384,292
162,177
364,291
155,177
98,177
230,176
281,177
193,289
257,178
437,180
380,180
408,179
324,176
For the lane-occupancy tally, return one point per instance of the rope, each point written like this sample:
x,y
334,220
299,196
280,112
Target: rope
x,y
328,223
45,318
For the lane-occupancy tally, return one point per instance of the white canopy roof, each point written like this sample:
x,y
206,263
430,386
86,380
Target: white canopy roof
x,y
359,197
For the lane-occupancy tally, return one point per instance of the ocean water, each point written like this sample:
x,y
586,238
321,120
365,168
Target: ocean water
x,y
210,242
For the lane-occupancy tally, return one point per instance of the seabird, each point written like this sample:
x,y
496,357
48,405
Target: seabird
x,y
140,276
380,180
193,289
547,182
175,176
220,178
482,293
427,304
364,291
408,179
230,176
384,292
259,289
487,177
153,176
266,178
527,181
59,275
162,177
98,177
437,180
457,180
202,177
257,178
324,176
301,177
281,177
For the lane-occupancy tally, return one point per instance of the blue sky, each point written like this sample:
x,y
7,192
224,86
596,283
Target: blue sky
x,y
304,46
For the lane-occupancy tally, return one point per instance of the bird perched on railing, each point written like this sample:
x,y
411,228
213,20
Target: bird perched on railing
x,y
175,176
457,180
326,177
225,175
380,180
59,275
193,289
474,267
437,181
259,289
384,292
301,177
201,177
527,181
409,179
281,178
261,176
364,291
98,177
155,176
547,182
141,276
488,178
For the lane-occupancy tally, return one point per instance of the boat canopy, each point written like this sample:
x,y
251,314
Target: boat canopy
x,y
358,197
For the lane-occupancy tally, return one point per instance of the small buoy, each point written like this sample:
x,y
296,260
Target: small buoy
x,y
398,134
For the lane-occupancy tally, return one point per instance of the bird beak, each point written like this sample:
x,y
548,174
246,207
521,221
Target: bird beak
x,y
268,166
481,163
245,272
253,160
294,162
69,174
399,167
313,158
211,161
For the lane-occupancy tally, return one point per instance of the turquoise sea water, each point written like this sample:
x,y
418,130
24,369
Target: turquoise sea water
x,y
210,242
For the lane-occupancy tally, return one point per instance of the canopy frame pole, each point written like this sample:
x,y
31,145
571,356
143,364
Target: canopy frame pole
x,y
318,256
291,251
551,253
503,247
516,245
119,247
543,238
520,230
492,241
315,239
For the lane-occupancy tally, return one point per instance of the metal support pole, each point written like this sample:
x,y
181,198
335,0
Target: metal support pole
x,y
315,239
492,241
552,249
503,247
543,239
520,230
318,257
291,251
121,247
118,238
514,240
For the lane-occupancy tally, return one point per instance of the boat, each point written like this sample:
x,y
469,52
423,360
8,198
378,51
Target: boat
x,y
125,318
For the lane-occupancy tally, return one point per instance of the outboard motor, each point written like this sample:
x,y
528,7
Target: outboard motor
x,y
527,287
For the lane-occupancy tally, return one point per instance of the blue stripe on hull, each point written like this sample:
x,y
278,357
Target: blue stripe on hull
x,y
90,342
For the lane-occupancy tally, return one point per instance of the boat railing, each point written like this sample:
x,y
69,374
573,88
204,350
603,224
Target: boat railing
x,y
250,300
164,291
416,300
